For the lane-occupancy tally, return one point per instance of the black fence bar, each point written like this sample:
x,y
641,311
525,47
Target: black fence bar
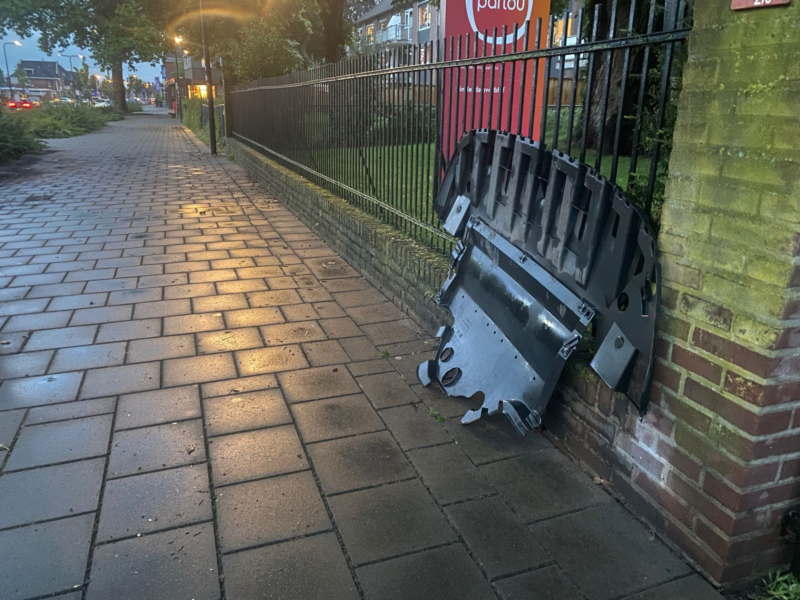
x,y
379,129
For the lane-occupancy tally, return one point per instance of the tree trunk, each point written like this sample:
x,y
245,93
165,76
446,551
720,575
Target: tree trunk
x,y
119,87
333,25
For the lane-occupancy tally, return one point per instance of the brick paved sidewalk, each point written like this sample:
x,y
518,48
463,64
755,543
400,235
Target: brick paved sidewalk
x,y
201,400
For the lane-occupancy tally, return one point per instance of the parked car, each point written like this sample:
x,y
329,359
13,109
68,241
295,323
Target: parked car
x,y
102,104
19,104
66,100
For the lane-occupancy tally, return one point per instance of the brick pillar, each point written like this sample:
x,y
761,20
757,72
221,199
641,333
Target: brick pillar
x,y
726,421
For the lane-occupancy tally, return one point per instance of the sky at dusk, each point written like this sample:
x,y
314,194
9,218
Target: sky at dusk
x,y
30,51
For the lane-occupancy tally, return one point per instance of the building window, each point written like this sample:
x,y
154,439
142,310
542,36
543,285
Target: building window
x,y
28,71
424,11
370,34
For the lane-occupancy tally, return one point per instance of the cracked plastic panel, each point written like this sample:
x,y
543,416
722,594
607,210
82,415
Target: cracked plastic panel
x,y
537,225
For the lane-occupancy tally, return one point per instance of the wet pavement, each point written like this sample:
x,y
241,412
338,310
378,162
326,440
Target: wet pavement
x,y
200,399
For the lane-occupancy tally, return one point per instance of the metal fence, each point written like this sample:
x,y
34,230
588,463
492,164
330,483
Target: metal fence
x,y
378,130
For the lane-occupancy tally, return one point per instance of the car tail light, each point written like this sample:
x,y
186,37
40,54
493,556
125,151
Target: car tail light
x,y
12,105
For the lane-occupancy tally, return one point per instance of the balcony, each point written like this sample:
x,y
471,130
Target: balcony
x,y
393,34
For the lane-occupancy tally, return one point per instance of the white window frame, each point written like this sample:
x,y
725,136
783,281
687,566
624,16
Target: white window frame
x,y
426,6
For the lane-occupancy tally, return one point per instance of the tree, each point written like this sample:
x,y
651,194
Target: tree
x,y
82,80
263,40
117,31
22,77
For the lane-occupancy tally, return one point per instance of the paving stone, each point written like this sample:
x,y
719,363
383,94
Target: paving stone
x,y
61,338
291,333
12,342
9,425
175,346
253,316
387,389
273,298
375,313
343,327
129,330
180,563
320,382
121,380
135,296
108,314
47,558
358,462
60,442
320,354
238,386
241,412
447,406
158,406
543,485
228,340
50,492
56,289
299,312
198,369
335,417
327,310
330,266
407,365
159,447
444,573
501,542
449,475
369,367
27,364
312,568
163,308
193,323
70,410
389,520
393,332
360,348
80,358
153,501
548,583
246,285
270,360
692,587
316,294
414,426
35,391
364,296
192,290
23,307
606,552
38,321
494,438
270,510
256,454
75,302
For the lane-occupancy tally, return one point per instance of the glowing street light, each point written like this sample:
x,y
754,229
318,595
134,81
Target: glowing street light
x,y
8,73
71,70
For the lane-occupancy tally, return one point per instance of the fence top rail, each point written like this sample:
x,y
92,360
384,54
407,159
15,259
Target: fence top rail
x,y
631,41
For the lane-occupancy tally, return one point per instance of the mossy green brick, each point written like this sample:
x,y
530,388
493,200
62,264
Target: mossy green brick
x,y
784,208
775,271
694,158
745,295
711,313
754,166
755,333
743,199
681,274
715,256
764,236
680,217
740,132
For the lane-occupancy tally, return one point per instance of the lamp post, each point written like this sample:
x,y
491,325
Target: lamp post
x,y
178,107
212,127
8,73
71,71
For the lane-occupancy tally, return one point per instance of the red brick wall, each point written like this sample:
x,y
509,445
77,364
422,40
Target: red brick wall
x,y
715,465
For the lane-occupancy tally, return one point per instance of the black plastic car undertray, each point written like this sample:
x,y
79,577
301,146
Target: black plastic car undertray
x,y
548,249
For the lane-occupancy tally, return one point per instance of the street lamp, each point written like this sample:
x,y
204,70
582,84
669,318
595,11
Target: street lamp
x,y
212,127
71,71
8,73
178,107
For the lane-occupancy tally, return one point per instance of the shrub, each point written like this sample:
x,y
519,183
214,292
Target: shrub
x,y
62,121
134,106
16,138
